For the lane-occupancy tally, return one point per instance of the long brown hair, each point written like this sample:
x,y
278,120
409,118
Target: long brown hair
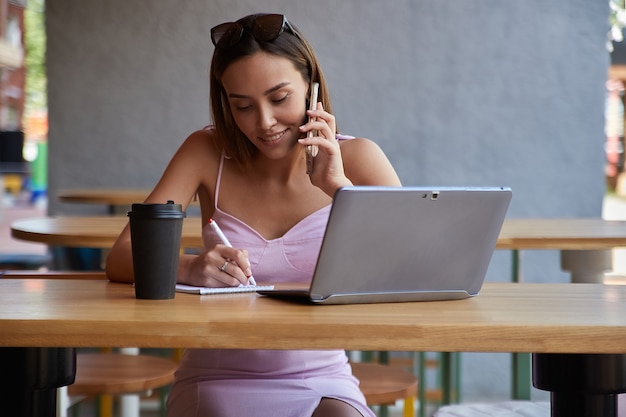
x,y
293,47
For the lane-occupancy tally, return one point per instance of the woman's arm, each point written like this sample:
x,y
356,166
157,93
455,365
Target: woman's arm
x,y
194,167
178,183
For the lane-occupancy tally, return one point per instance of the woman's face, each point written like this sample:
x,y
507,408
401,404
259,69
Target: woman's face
x,y
267,97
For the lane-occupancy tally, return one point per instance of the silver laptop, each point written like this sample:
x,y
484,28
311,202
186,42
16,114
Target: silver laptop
x,y
398,244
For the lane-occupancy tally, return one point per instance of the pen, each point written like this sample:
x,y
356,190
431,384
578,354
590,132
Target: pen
x,y
226,242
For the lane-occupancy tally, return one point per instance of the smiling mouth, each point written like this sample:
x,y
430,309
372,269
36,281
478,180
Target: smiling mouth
x,y
273,138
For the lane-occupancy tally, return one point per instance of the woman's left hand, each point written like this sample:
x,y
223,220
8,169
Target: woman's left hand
x,y
328,173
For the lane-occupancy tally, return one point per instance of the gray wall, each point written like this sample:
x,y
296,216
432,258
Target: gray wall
x,y
458,92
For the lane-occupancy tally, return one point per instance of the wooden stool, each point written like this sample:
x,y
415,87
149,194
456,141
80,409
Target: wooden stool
x,y
385,384
116,374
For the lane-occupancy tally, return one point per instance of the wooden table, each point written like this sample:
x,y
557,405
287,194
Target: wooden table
x,y
111,197
576,238
108,196
580,240
562,234
572,236
90,231
583,245
505,317
516,234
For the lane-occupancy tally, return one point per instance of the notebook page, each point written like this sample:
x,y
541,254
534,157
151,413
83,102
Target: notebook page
x,y
225,290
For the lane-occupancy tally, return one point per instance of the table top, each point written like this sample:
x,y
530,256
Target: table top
x,y
111,196
102,231
562,233
504,317
107,196
90,231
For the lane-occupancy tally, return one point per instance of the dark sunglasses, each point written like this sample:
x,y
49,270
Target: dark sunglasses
x,y
264,27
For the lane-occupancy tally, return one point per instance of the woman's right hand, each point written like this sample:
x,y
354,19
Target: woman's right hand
x,y
328,173
220,266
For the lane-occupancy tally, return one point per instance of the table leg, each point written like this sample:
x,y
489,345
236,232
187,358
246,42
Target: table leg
x,y
587,266
520,362
129,404
572,404
29,378
521,380
581,385
30,403
516,266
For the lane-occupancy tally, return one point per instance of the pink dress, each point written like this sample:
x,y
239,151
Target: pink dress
x,y
272,383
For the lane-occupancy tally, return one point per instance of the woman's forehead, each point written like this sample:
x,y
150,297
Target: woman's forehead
x,y
259,71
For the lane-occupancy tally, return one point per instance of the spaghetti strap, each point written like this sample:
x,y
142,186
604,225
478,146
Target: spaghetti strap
x,y
219,178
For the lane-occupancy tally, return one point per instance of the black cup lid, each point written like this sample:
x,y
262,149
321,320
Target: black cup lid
x,y
169,210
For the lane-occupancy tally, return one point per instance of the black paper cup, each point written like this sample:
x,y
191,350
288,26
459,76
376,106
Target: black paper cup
x,y
155,231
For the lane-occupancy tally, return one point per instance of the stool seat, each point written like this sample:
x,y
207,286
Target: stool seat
x,y
501,409
116,373
384,384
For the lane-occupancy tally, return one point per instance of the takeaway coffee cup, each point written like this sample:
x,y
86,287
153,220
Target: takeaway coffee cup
x,y
155,231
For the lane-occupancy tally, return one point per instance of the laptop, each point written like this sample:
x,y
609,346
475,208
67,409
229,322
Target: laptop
x,y
399,244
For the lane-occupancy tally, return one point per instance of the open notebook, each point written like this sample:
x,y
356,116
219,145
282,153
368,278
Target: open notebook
x,y
386,244
225,290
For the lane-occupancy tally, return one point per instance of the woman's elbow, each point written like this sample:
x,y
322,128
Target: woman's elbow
x,y
116,269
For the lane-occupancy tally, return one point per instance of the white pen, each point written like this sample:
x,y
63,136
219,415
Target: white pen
x,y
226,242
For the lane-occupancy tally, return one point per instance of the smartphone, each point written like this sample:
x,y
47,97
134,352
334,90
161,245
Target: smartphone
x,y
311,150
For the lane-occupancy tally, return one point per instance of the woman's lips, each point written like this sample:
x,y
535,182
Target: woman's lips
x,y
274,138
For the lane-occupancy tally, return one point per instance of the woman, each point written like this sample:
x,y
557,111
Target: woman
x,y
249,173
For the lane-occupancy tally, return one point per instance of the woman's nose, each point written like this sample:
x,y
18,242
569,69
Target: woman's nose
x,y
266,118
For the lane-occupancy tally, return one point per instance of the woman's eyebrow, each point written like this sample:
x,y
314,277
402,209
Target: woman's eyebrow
x,y
266,92
276,87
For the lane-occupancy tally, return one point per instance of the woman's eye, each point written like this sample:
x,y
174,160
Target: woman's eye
x,y
280,99
243,108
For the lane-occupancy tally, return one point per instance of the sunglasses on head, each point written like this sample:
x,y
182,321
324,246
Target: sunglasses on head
x,y
263,27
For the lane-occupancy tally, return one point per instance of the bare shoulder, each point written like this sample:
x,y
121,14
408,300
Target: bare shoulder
x,y
201,143
193,167
359,147
365,163
199,149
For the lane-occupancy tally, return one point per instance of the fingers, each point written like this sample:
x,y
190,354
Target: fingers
x,y
223,266
239,259
321,122
326,170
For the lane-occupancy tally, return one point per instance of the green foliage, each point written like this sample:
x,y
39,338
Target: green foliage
x,y
35,58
